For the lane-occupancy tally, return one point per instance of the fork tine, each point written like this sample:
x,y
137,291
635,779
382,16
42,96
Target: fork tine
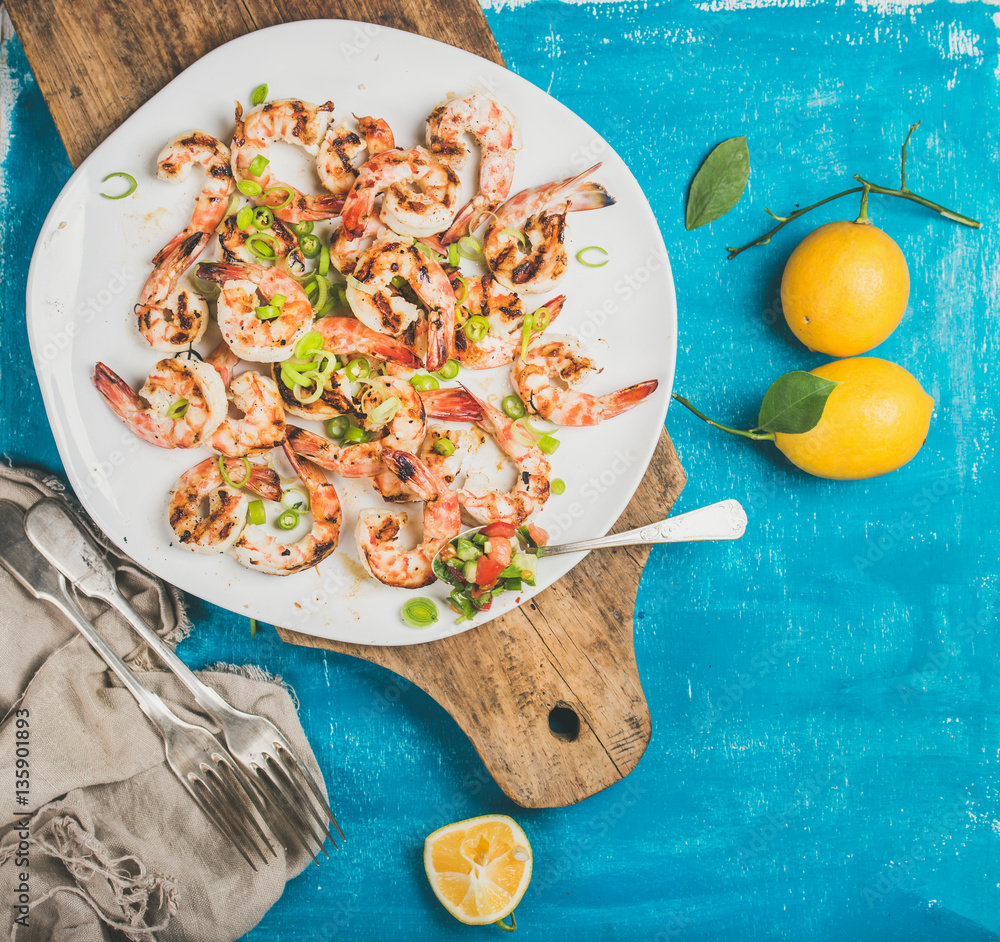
x,y
292,821
303,772
237,789
226,808
285,791
298,798
216,820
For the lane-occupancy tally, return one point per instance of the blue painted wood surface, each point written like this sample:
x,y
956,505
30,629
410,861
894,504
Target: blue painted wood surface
x,y
824,693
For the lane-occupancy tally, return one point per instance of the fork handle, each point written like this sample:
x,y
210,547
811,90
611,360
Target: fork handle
x,y
158,712
214,705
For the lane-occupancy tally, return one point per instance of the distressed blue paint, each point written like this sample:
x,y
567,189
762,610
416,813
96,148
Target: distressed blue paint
x,y
841,726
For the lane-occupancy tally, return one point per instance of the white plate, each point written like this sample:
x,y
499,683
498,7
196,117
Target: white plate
x,y
93,255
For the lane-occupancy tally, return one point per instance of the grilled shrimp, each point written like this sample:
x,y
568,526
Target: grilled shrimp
x,y
344,336
532,488
378,530
495,130
421,194
227,506
172,316
379,306
293,122
405,430
539,213
249,337
174,163
256,549
232,244
545,379
503,309
341,145
181,404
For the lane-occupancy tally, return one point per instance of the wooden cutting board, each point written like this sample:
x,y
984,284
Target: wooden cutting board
x,y
549,695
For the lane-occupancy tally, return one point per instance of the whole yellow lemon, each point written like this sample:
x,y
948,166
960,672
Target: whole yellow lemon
x,y
874,422
844,289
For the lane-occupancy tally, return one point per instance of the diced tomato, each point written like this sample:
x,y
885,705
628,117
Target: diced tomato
x,y
506,530
487,570
540,536
501,551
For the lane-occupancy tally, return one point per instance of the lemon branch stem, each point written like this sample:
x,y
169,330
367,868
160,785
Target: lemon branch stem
x,y
902,192
511,928
753,433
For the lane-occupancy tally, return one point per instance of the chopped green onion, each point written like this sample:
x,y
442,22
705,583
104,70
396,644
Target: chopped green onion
x,y
513,407
592,248
424,249
419,613
278,300
471,248
422,383
355,435
257,513
287,520
259,95
479,539
548,443
385,411
358,368
526,329
263,218
463,283
360,286
558,486
281,187
324,261
300,504
311,397
303,228
244,218
398,281
462,606
449,370
263,246
319,286
292,378
541,318
454,259
521,434
310,245
516,234
476,328
258,165
311,343
132,184
253,627
228,480
443,446
234,201
178,410
337,427
267,312
249,188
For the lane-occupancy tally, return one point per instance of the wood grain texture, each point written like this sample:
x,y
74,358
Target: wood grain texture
x,y
96,61
572,646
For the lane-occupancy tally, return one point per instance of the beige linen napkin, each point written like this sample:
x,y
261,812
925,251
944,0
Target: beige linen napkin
x,y
109,845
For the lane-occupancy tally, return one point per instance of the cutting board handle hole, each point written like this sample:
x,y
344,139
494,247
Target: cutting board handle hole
x,y
564,722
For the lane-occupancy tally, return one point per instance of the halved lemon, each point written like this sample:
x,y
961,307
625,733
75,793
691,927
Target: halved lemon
x,y
479,868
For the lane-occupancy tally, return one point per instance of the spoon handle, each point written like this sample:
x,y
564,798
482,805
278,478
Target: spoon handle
x,y
724,520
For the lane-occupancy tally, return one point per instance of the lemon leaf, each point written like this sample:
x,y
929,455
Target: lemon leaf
x,y
795,402
719,183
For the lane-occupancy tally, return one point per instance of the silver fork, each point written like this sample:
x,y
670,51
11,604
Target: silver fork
x,y
196,757
277,779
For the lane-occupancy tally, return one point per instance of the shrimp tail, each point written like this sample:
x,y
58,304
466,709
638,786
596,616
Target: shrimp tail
x,y
451,405
321,206
583,194
172,244
264,482
224,360
460,224
181,254
628,398
116,392
221,272
305,444
412,472
554,307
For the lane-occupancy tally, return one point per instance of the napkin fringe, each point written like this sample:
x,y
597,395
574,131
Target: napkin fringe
x,y
138,893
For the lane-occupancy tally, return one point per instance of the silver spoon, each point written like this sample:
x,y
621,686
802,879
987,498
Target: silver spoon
x,y
723,520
